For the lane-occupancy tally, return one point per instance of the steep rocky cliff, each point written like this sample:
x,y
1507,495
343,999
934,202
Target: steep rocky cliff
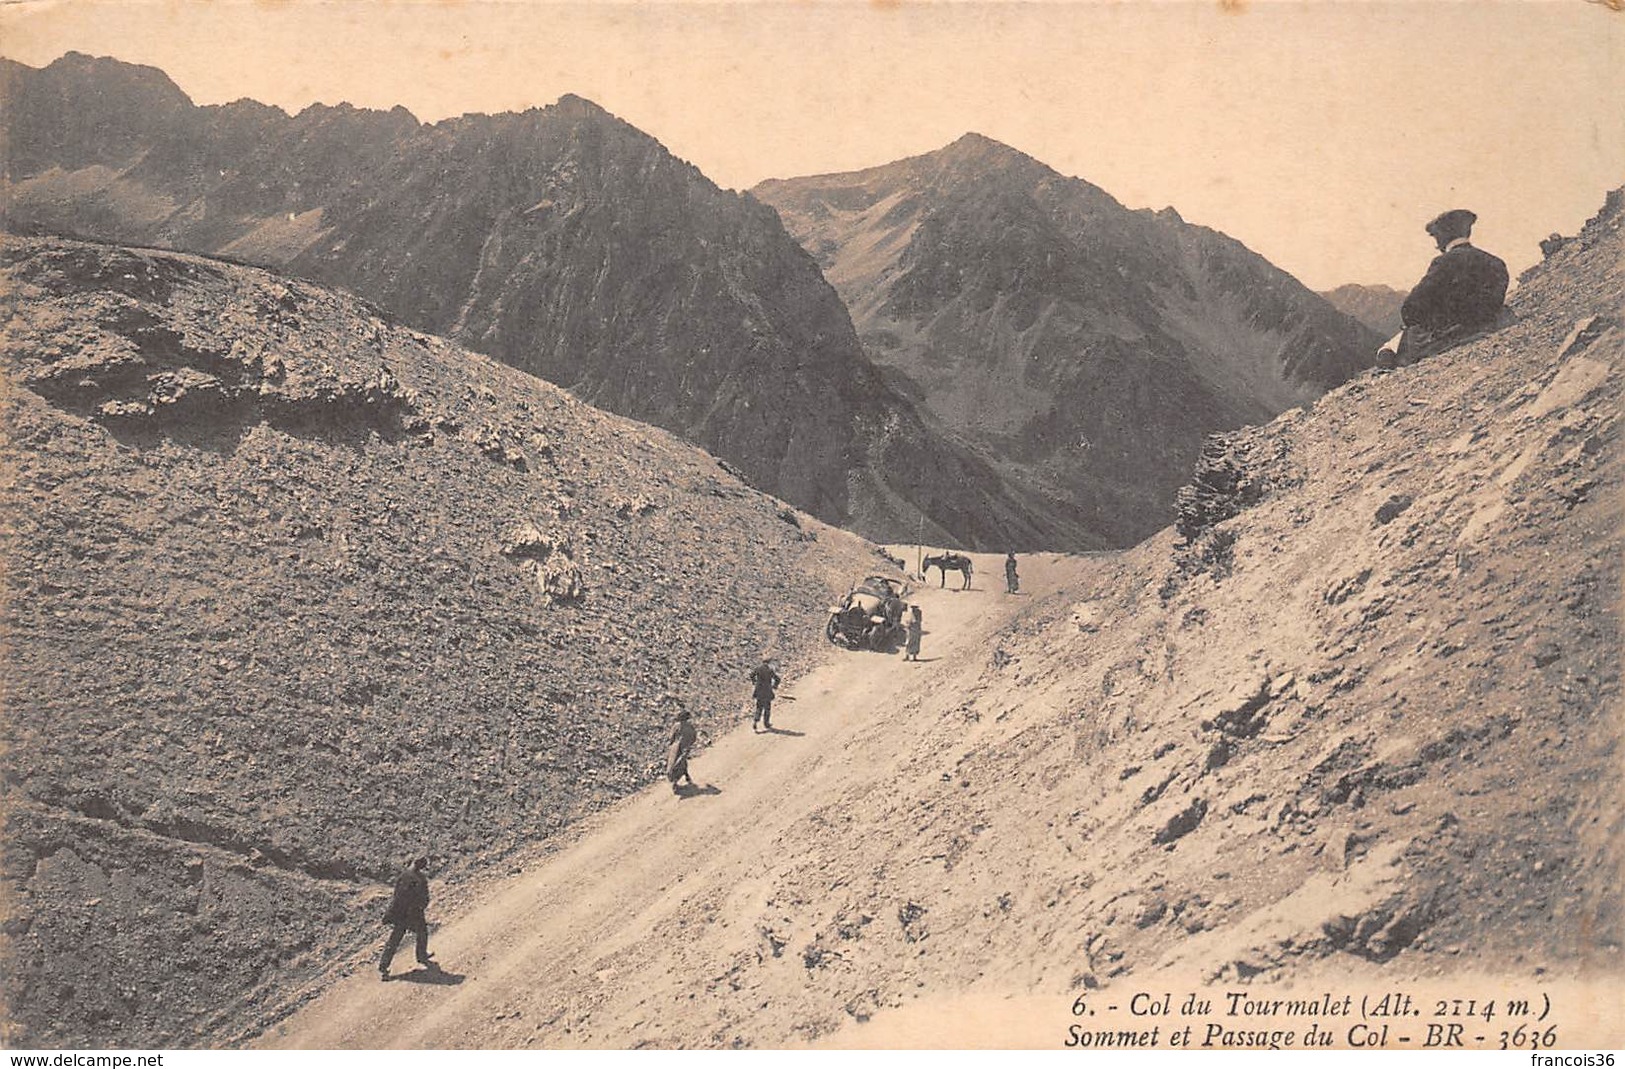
x,y
1085,349
559,240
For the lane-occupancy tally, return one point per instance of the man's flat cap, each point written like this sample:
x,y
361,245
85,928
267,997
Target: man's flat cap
x,y
1457,222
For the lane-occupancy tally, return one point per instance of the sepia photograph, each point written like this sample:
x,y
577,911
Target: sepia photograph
x,y
1084,525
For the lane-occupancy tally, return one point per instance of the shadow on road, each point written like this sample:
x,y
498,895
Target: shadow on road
x,y
432,974
692,791
786,731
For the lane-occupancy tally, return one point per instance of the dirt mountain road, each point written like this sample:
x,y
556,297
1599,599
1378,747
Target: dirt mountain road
x,y
656,900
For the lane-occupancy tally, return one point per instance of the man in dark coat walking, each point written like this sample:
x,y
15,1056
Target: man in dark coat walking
x,y
1462,294
765,676
1012,582
683,738
407,913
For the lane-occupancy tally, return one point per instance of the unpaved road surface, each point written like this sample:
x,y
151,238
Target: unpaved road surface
x,y
567,954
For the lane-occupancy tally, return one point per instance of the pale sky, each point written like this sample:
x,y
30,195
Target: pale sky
x,y
1323,135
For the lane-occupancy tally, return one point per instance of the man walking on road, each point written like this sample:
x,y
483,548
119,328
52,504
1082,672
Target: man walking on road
x,y
683,738
407,913
1011,582
765,676
911,651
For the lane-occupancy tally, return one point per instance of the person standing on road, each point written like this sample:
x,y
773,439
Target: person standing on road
x,y
1011,582
407,912
911,651
765,676
683,737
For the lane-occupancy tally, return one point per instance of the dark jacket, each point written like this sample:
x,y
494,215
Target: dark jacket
x,y
410,901
1462,293
683,737
766,681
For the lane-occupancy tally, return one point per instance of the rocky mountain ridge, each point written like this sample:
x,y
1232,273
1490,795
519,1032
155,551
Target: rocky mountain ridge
x,y
1084,348
559,240
1375,306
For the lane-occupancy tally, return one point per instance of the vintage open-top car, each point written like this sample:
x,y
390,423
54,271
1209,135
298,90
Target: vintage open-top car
x,y
871,616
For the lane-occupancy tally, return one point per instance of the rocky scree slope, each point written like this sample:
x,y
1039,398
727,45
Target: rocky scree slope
x,y
1083,348
559,240
291,595
1363,723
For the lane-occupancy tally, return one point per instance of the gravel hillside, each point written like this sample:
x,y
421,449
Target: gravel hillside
x,y
1369,714
291,594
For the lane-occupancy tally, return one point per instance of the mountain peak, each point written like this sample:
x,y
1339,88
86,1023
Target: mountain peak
x,y
571,106
1016,304
976,157
975,147
579,111
135,81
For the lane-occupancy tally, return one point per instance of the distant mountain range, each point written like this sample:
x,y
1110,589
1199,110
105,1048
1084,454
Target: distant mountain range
x,y
1375,306
559,240
1083,348
1038,364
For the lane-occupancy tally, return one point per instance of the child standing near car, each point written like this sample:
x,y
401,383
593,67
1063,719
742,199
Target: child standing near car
x,y
911,651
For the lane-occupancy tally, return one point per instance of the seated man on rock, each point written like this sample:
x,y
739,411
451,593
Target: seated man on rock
x,y
1462,294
